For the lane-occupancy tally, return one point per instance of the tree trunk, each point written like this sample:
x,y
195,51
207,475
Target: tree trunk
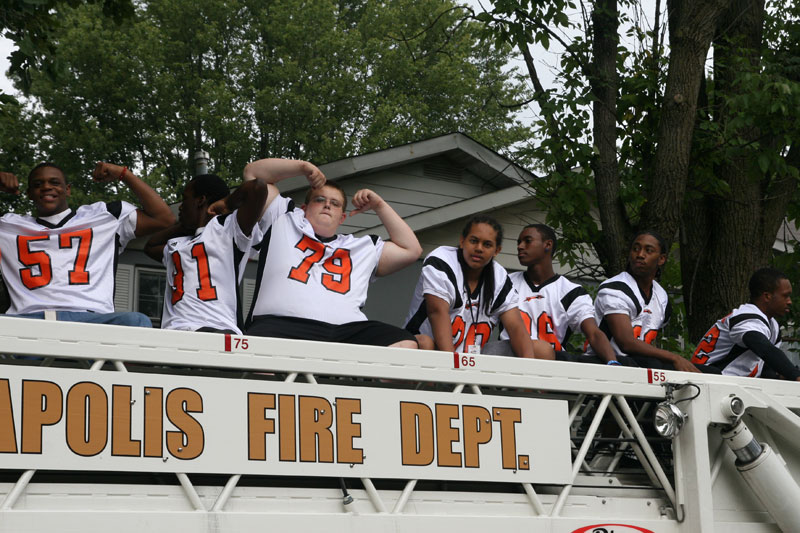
x,y
605,86
692,25
732,232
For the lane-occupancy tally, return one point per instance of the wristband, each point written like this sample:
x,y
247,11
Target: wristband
x,y
122,174
615,363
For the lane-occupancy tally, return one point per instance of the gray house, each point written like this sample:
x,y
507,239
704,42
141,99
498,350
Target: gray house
x,y
435,185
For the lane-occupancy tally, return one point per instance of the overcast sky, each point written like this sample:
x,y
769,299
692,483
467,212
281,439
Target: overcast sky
x,y
5,49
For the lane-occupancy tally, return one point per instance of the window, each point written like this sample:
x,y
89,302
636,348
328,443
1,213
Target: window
x,y
150,285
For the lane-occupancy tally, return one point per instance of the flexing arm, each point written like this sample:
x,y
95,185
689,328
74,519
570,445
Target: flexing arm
x,y
250,199
622,331
155,245
9,183
154,214
598,340
404,248
771,354
272,170
439,317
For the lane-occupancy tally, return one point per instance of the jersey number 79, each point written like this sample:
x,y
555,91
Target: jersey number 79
x,y
338,264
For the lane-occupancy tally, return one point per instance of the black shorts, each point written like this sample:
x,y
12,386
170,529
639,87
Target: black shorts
x,y
368,332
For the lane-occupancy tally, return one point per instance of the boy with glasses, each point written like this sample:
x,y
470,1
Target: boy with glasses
x,y
311,281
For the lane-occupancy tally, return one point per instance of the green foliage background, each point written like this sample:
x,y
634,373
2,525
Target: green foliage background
x,y
244,79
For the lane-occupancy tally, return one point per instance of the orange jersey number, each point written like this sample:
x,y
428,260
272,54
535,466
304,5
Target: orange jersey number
x,y
482,329
544,328
649,336
41,259
205,289
706,346
338,265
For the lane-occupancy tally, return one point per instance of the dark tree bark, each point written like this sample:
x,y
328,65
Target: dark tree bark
x,y
728,236
692,25
605,86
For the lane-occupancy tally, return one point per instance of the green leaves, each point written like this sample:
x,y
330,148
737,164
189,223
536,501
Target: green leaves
x,y
313,79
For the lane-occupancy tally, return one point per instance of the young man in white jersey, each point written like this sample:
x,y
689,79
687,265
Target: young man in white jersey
x,y
463,293
313,282
632,307
205,255
552,307
747,341
64,260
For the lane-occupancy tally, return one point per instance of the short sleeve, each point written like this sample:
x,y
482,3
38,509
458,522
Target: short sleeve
x,y
580,309
279,206
436,282
379,244
506,296
232,229
611,302
127,224
741,324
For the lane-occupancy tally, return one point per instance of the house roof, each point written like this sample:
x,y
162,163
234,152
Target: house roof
x,y
462,150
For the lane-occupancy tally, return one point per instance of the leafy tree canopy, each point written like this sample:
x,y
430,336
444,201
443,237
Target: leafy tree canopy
x,y
244,79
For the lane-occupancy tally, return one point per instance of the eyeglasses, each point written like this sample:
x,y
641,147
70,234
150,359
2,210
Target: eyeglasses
x,y
336,204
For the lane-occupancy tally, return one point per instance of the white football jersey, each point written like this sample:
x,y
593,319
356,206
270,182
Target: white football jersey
x,y
621,295
304,276
68,266
722,345
442,277
203,276
553,310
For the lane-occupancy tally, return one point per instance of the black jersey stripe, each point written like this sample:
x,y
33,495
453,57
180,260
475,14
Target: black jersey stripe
x,y
441,265
263,248
420,316
571,296
504,292
374,239
537,288
115,208
746,316
625,289
238,255
49,225
735,352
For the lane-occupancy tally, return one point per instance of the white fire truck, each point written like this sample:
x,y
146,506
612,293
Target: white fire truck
x,y
105,428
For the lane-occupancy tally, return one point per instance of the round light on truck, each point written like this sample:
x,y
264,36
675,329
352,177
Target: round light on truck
x,y
668,420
